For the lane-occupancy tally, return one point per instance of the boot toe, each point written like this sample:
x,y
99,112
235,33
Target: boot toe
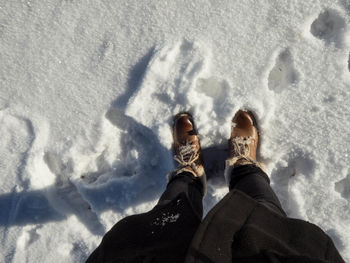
x,y
243,119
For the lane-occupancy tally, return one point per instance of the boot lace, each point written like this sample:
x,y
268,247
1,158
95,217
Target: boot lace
x,y
241,149
187,154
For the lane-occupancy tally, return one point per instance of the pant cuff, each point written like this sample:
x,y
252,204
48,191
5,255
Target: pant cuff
x,y
198,173
230,165
238,172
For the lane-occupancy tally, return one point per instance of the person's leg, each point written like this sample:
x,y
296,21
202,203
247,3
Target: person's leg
x,y
251,180
188,184
160,235
164,233
243,171
189,176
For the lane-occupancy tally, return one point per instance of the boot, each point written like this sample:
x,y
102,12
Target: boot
x,y
187,149
243,142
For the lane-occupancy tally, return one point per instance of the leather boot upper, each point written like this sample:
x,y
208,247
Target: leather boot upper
x,y
244,127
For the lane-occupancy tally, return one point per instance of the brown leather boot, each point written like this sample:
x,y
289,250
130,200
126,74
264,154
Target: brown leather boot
x,y
244,139
243,142
187,148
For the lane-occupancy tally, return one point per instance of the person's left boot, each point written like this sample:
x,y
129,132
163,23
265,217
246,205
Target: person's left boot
x,y
187,149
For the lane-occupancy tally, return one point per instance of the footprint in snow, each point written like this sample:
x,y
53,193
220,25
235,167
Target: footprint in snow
x,y
329,26
300,167
343,187
66,197
168,82
283,73
104,51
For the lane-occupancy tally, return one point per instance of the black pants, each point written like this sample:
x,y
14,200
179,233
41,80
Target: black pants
x,y
247,178
148,237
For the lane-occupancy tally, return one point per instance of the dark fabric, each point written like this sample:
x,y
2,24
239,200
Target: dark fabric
x,y
238,229
165,230
252,181
185,183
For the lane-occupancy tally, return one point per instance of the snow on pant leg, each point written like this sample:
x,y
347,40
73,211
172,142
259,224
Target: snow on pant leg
x,y
188,184
160,235
254,182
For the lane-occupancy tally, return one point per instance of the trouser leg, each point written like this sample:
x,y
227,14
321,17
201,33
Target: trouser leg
x,y
188,184
254,182
160,235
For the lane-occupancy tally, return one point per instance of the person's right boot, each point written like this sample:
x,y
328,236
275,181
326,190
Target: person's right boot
x,y
187,149
243,142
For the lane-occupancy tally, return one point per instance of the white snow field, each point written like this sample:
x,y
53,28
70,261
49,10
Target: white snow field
x,y
88,90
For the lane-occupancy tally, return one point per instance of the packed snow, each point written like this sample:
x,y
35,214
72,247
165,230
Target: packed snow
x,y
88,90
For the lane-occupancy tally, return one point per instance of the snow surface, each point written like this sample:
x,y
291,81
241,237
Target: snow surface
x,y
88,90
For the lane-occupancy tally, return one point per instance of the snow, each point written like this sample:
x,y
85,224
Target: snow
x,y
167,218
88,90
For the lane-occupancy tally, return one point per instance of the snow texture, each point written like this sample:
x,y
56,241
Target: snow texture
x,y
88,90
